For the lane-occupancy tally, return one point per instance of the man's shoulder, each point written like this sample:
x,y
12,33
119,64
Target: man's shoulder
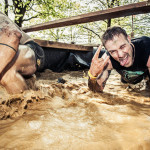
x,y
139,39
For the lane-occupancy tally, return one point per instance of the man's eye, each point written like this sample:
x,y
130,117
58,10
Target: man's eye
x,y
122,47
112,52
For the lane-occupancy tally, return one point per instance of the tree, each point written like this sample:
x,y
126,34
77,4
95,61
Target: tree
x,y
31,12
25,10
98,28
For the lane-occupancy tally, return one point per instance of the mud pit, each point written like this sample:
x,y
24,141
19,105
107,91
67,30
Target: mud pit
x,y
70,117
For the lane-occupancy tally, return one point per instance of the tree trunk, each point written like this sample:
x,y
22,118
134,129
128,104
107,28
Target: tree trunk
x,y
109,23
110,5
20,10
6,7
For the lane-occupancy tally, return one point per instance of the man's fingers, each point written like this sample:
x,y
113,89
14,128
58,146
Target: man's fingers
x,y
106,60
104,56
97,52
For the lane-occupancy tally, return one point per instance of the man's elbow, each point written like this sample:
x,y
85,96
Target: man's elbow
x,y
16,34
13,34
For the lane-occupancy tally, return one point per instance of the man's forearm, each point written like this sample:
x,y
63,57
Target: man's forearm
x,y
98,84
94,86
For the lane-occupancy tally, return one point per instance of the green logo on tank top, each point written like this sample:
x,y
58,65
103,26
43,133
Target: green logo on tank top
x,y
132,74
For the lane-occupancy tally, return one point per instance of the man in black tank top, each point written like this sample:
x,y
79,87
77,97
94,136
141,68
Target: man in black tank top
x,y
20,57
130,58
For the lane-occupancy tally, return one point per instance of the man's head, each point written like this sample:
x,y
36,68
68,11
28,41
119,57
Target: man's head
x,y
118,44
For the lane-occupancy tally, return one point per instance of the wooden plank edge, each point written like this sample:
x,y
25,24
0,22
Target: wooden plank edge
x,y
59,45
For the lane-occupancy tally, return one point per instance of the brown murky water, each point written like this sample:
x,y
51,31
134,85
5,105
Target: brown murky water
x,y
70,117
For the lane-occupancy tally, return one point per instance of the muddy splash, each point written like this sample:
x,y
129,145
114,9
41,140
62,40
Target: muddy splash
x,y
68,116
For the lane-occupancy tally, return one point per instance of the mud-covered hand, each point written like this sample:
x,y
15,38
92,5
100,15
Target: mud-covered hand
x,y
98,64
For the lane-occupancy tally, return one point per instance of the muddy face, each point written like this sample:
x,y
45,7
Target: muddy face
x,y
69,116
120,49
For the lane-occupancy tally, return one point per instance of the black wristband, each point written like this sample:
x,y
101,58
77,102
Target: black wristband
x,y
9,46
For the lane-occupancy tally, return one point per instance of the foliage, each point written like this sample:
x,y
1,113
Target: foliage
x,y
31,12
25,10
140,25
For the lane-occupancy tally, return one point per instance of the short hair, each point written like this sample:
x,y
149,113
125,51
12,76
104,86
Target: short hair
x,y
111,32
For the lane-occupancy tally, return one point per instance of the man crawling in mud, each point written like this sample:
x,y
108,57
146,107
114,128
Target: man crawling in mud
x,y
20,57
16,59
130,58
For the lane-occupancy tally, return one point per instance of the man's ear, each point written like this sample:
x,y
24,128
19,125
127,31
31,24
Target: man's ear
x,y
129,39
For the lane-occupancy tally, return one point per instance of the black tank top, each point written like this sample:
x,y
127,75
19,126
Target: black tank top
x,y
138,70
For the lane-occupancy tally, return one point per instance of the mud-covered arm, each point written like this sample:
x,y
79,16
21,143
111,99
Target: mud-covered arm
x,y
98,84
10,37
99,71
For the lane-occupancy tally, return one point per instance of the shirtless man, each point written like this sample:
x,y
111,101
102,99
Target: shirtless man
x,y
16,59
130,58
20,56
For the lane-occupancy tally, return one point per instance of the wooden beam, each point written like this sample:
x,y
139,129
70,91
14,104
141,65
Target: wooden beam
x,y
59,45
127,10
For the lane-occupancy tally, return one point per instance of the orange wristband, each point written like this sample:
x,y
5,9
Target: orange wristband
x,y
91,76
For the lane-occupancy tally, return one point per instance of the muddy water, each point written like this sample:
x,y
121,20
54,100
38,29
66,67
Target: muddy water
x,y
70,117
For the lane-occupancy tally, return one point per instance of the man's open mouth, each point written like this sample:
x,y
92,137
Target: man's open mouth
x,y
123,61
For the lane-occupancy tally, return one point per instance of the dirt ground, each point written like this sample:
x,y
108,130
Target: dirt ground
x,y
60,112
